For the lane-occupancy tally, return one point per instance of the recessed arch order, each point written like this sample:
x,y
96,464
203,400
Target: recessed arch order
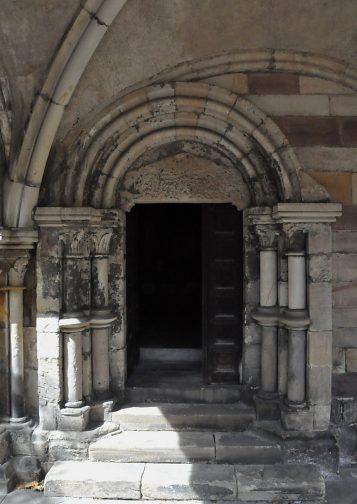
x,y
161,114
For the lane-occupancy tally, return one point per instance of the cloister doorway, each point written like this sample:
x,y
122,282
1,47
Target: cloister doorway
x,y
184,284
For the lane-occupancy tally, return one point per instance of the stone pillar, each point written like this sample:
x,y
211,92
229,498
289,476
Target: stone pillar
x,y
73,322
296,393
101,316
268,299
16,281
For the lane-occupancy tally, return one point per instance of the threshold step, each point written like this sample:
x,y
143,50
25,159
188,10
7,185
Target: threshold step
x,y
176,416
200,482
169,389
184,446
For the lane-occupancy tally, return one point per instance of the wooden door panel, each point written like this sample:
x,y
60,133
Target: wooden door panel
x,y
222,292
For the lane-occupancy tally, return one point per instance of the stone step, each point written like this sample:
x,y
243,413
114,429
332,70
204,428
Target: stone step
x,y
171,392
171,482
170,446
176,416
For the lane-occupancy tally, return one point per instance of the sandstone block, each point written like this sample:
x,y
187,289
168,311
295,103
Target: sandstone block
x,y
345,241
320,158
339,360
49,345
319,384
322,414
354,188
289,482
337,184
310,131
319,240
292,105
349,132
189,481
273,83
345,337
316,85
236,82
351,360
320,268
348,220
344,267
319,301
344,317
344,295
343,105
94,479
319,346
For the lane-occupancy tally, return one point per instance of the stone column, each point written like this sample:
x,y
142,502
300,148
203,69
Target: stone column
x,y
16,288
296,390
73,321
101,317
268,300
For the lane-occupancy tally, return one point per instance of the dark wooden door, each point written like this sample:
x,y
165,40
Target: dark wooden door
x,y
222,292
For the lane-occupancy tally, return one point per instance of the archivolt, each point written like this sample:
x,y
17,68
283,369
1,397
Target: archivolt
x,y
162,114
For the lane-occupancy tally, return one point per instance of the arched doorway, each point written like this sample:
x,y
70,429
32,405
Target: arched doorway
x,y
185,285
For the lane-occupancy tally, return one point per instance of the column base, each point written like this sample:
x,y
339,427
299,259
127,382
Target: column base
x,y
73,419
101,410
296,419
74,404
267,407
20,420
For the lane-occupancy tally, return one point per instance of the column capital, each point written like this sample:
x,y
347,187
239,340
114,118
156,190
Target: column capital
x,y
100,241
75,243
17,271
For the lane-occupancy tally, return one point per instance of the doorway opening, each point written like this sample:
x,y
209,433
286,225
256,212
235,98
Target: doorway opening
x,y
184,288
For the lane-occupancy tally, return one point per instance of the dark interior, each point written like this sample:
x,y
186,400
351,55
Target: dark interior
x,y
167,279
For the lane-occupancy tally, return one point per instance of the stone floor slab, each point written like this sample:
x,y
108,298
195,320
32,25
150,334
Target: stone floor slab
x,y
189,481
154,446
103,480
281,481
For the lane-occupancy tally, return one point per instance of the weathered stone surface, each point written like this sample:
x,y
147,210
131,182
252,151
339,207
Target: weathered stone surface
x,y
292,105
345,337
344,294
159,446
247,448
316,85
351,360
333,159
26,467
94,479
222,417
279,482
344,267
189,481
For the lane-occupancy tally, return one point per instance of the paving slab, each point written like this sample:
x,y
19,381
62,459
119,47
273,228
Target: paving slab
x,y
154,446
164,416
246,448
103,480
287,482
189,481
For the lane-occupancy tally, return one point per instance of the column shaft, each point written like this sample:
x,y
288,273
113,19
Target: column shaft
x,y
296,367
269,359
297,281
73,369
268,278
17,353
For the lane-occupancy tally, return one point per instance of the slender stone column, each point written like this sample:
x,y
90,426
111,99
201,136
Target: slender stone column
x,y
296,390
101,316
16,279
73,322
268,299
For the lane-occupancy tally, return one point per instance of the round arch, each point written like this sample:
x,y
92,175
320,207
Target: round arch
x,y
161,115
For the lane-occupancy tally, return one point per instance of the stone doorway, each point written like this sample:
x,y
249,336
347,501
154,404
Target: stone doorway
x,y
184,287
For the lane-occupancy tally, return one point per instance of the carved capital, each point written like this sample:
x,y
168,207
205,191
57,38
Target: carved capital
x,y
268,236
75,243
17,271
100,240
